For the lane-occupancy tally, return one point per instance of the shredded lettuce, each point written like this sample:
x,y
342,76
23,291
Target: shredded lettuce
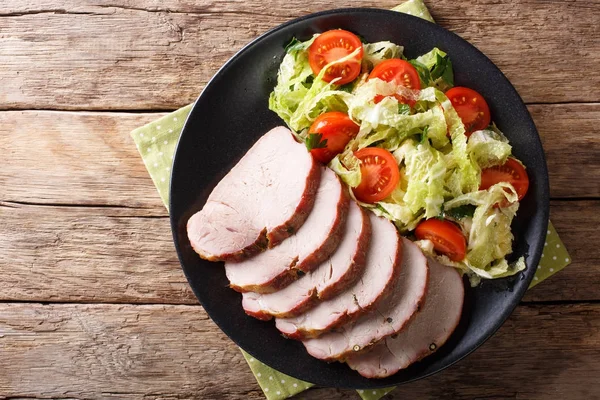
x,y
424,169
382,123
398,213
435,69
500,269
293,80
488,148
490,237
374,53
466,176
347,167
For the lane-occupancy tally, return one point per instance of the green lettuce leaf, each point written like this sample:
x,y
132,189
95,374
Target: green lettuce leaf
x,y
294,79
424,170
386,124
347,167
466,174
490,237
404,219
374,53
488,148
500,269
435,69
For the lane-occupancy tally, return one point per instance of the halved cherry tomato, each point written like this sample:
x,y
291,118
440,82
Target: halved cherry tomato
x,y
447,238
331,46
338,129
400,71
512,172
471,108
379,174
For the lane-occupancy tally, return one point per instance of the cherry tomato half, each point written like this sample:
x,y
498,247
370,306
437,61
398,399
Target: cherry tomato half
x,y
447,238
471,108
379,174
337,128
331,46
400,71
512,172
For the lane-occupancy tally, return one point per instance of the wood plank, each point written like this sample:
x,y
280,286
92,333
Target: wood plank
x,y
74,158
89,158
570,140
70,254
175,352
58,54
87,254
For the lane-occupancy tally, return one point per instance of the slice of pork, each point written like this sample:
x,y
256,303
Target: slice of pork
x,y
327,280
384,259
428,330
265,198
313,243
389,317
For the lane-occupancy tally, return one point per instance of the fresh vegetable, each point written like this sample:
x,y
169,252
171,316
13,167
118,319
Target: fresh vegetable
x,y
333,46
449,162
488,148
490,237
336,129
464,177
400,72
512,171
435,69
315,141
471,107
379,174
460,212
425,170
446,237
375,53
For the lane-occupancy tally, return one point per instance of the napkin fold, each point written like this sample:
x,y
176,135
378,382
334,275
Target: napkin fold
x,y
156,144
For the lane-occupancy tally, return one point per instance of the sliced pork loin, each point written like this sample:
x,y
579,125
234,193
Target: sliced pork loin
x,y
384,259
312,244
389,317
428,330
265,198
327,280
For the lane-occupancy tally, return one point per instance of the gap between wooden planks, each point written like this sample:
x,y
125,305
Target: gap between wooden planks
x,y
158,55
176,352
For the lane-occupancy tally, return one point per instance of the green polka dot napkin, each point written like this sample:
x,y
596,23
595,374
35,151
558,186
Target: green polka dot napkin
x,y
156,143
554,258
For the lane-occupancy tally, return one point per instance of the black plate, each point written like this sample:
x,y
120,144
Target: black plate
x,y
232,113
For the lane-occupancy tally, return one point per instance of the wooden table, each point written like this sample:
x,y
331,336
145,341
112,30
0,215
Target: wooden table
x,y
93,303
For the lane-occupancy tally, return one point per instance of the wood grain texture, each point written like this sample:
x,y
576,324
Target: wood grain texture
x,y
176,352
127,54
569,135
75,158
88,254
88,158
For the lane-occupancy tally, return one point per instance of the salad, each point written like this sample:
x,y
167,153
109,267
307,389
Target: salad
x,y
412,147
